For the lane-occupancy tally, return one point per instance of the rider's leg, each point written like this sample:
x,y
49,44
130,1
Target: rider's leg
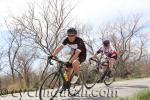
x,y
69,71
75,65
103,66
66,84
112,60
111,63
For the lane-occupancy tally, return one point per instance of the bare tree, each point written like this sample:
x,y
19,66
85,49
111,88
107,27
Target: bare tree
x,y
44,25
126,37
1,57
24,62
14,44
48,27
1,67
20,56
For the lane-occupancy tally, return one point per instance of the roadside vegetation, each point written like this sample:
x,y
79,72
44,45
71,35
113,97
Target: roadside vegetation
x,y
141,95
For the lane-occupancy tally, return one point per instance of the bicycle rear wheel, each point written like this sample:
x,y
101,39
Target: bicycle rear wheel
x,y
50,86
91,78
110,78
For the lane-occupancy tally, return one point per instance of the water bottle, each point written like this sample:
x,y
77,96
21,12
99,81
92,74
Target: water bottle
x,y
65,76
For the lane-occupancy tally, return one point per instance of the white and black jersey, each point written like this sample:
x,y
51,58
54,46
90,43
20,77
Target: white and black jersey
x,y
78,44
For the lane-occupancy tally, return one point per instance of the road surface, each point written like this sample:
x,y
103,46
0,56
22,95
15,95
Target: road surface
x,y
98,92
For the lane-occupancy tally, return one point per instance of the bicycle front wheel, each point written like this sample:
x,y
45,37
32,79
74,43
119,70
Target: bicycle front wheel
x,y
91,78
50,86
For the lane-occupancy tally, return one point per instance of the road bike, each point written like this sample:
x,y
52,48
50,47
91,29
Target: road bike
x,y
54,82
95,75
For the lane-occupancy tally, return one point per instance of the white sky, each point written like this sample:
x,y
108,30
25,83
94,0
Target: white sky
x,y
102,9
93,12
87,10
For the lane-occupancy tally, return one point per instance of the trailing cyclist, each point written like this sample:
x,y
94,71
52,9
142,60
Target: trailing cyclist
x,y
110,52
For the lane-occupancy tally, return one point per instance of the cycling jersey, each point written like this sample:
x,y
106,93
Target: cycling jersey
x,y
108,51
79,45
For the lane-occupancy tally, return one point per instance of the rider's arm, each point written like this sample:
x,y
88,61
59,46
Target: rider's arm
x,y
112,53
95,55
99,51
75,56
60,47
57,50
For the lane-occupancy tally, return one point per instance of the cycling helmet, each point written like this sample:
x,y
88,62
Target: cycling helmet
x,y
72,31
106,43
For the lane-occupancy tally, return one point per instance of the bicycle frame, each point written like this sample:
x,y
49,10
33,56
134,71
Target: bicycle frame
x,y
58,76
60,66
100,64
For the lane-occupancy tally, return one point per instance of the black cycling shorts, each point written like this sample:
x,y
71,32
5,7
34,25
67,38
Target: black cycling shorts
x,y
115,57
81,58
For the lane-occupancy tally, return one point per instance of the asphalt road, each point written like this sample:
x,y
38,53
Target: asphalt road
x,y
98,92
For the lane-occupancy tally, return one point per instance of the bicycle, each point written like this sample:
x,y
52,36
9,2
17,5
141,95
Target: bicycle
x,y
95,75
55,80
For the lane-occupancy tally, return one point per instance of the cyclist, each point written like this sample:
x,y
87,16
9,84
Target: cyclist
x,y
78,55
110,52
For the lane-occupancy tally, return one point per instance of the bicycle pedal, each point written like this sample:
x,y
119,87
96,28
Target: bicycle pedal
x,y
99,81
62,90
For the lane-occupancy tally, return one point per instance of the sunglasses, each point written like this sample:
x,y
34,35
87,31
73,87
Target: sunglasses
x,y
71,35
106,45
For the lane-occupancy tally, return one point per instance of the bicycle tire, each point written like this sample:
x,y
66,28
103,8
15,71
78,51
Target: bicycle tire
x,y
46,84
91,79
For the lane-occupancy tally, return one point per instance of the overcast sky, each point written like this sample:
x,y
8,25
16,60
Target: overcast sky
x,y
87,11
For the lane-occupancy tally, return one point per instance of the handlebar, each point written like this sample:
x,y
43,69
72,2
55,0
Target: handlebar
x,y
92,60
55,59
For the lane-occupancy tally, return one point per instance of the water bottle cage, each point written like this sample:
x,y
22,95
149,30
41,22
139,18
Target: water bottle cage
x,y
65,76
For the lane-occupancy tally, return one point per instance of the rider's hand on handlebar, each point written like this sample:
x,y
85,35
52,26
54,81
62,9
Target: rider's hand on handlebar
x,y
90,58
68,64
106,57
49,58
